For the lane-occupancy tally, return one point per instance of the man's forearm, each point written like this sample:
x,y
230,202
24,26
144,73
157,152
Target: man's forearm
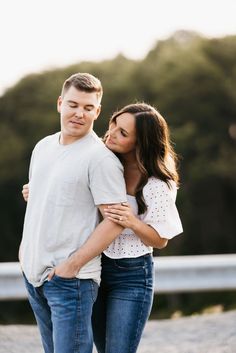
x,y
103,235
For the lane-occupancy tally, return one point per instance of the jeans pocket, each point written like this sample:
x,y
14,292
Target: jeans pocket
x,y
130,263
56,277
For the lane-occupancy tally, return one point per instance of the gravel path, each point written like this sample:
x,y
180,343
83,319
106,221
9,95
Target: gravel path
x,y
209,333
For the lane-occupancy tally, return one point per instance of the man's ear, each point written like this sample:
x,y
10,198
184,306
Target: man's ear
x,y
59,101
99,108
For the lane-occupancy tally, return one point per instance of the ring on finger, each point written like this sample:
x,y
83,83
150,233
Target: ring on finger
x,y
121,218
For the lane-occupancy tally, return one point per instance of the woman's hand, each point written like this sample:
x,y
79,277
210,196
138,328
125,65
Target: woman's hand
x,y
121,214
25,192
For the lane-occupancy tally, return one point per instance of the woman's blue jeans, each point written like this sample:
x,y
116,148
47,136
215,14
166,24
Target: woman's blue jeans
x,y
123,304
63,310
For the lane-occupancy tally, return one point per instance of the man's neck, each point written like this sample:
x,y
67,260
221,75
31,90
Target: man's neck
x,y
68,139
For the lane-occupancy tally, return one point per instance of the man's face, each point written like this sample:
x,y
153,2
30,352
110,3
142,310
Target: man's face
x,y
78,110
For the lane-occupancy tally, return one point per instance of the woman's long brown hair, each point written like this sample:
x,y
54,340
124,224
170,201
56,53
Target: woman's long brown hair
x,y
154,152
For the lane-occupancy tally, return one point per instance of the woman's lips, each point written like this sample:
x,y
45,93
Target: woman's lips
x,y
109,140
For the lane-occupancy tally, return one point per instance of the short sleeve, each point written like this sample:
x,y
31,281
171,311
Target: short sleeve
x,y
31,165
162,213
107,183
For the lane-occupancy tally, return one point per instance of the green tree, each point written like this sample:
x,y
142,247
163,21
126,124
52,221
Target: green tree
x,y
191,80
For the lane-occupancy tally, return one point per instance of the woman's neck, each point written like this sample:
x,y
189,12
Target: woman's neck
x,y
129,161
132,173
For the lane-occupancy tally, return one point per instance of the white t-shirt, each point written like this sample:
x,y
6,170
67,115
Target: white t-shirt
x,y
161,214
67,183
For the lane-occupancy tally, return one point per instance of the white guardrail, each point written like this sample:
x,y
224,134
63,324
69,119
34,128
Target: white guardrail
x,y
173,274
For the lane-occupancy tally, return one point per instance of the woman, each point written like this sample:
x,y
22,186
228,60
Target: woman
x,y
139,136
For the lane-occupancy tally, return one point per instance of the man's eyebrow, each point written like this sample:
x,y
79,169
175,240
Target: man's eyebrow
x,y
86,105
71,101
89,105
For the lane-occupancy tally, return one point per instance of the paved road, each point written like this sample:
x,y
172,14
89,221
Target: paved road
x,y
211,333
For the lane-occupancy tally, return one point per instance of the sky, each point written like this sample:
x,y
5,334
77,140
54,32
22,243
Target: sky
x,y
45,34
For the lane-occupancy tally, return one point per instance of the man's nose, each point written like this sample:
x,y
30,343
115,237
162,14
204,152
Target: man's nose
x,y
79,113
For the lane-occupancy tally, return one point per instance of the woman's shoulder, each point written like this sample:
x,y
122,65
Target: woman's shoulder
x,y
158,183
158,187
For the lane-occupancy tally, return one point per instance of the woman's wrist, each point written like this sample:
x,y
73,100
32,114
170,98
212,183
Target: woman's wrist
x,y
136,225
74,262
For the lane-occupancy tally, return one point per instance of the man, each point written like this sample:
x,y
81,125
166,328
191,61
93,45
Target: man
x,y
72,176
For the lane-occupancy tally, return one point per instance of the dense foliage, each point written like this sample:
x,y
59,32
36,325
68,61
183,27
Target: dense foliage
x,y
191,80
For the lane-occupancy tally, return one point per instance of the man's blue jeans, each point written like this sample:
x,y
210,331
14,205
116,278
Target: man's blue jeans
x,y
123,305
63,310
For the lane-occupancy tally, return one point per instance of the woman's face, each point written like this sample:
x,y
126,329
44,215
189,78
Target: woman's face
x,y
122,134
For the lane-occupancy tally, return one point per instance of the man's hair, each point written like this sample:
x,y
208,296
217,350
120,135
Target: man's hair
x,y
83,82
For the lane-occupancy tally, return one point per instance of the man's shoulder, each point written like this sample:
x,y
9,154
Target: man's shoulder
x,y
101,157
98,149
101,153
47,139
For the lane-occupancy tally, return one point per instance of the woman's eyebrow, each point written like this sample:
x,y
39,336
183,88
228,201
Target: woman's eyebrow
x,y
127,132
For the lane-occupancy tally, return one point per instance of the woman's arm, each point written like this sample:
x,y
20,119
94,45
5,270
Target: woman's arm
x,y
93,247
25,192
123,215
99,240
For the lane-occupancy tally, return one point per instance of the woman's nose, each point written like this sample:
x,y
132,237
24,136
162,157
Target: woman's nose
x,y
112,132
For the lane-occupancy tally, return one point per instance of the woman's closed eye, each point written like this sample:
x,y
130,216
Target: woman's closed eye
x,y
123,133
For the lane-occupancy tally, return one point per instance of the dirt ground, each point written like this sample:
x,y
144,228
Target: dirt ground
x,y
209,333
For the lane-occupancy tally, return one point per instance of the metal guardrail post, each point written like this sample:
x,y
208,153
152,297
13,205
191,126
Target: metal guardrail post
x,y
173,274
197,273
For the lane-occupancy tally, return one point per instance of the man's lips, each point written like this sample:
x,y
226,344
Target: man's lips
x,y
76,122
